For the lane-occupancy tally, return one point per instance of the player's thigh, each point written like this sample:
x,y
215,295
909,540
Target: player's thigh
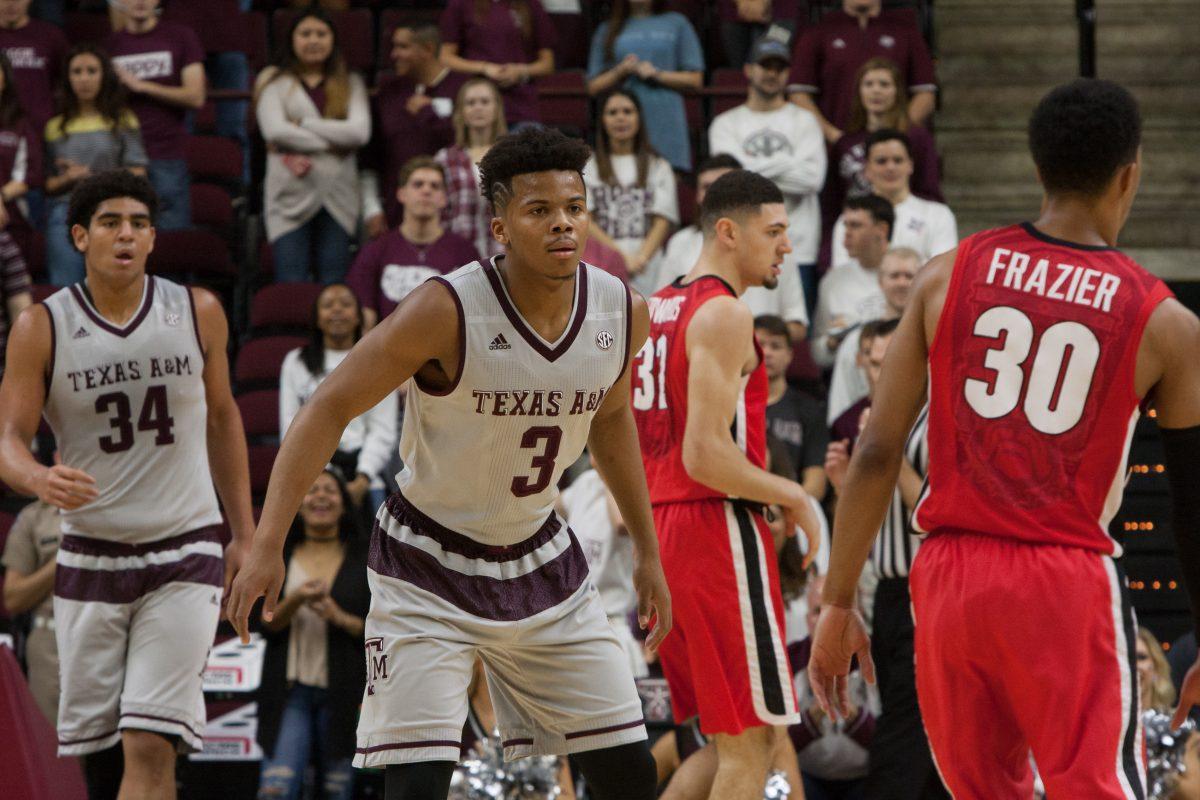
x,y
92,641
170,635
752,748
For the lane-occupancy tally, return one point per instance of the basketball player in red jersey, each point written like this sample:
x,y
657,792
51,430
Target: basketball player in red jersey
x,y
700,398
1039,342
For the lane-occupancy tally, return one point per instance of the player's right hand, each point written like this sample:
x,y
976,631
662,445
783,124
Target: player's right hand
x,y
840,636
66,488
800,514
260,576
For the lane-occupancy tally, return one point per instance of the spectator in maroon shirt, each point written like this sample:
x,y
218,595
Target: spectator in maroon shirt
x,y
880,101
413,115
37,51
827,56
20,156
397,262
507,41
14,289
161,64
743,21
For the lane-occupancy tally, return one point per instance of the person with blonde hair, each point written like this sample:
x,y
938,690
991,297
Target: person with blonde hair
x,y
1155,689
314,115
478,122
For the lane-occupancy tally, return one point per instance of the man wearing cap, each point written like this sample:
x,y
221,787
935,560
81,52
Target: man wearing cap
x,y
780,141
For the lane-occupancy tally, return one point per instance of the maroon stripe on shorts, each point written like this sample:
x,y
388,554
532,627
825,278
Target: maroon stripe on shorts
x,y
479,595
408,746
407,514
167,720
69,742
127,585
89,546
609,729
515,742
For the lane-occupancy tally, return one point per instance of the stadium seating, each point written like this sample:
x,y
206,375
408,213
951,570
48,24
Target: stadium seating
x,y
259,360
192,254
215,159
563,102
283,308
260,415
262,457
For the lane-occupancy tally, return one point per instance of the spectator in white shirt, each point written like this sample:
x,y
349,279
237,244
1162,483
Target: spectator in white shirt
x,y
631,190
849,384
924,225
368,441
781,141
851,295
786,300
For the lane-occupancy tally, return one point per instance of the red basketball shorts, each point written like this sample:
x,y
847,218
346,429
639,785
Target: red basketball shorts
x,y
726,657
1026,647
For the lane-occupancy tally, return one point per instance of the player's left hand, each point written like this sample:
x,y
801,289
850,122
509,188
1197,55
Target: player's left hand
x,y
654,600
1189,695
841,634
234,553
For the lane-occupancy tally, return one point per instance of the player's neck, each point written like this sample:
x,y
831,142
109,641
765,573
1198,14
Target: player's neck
x,y
776,388
416,230
712,262
544,303
1078,220
117,304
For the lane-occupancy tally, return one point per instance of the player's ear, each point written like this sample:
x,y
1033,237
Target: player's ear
x,y
79,237
499,231
727,231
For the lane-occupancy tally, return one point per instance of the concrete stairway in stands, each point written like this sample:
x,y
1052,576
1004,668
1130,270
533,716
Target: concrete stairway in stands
x,y
997,58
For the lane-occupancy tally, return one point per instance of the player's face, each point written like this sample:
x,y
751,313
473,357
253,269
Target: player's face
x,y
424,196
322,505
117,241
768,78
888,167
312,42
403,50
85,74
877,91
896,275
875,355
337,312
777,353
13,11
621,120
705,180
762,246
544,224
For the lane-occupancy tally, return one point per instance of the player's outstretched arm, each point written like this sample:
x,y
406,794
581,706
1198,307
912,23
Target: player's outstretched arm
x,y
840,633
1167,357
22,397
613,442
422,329
720,338
227,460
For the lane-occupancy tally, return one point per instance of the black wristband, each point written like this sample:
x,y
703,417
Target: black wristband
x,y
1181,453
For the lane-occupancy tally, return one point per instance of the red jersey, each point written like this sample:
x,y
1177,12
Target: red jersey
x,y
1032,399
660,394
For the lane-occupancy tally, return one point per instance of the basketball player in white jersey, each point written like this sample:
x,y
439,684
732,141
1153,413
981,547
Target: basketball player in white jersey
x,y
130,371
515,364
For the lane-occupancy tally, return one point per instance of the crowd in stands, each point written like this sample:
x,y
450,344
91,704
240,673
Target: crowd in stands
x,y
360,175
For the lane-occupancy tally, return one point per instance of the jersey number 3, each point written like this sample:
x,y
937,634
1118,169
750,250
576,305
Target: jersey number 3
x,y
1059,380
547,439
154,417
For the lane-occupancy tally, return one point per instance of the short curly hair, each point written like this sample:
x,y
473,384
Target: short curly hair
x,y
736,192
1081,133
95,189
527,151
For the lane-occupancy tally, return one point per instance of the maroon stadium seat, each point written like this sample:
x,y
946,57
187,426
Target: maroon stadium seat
x,y
573,41
194,252
217,23
564,111
212,207
214,158
259,361
284,306
355,34
205,119
728,79
260,413
83,27
262,457
257,48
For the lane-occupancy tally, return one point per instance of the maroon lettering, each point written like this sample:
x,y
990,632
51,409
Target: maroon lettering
x,y
155,368
577,405
535,405
480,399
500,404
518,408
552,401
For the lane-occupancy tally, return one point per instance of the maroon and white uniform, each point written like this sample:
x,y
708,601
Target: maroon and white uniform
x,y
138,583
1031,413
468,557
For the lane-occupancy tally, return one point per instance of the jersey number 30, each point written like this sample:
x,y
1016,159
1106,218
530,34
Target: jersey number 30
x,y
1059,379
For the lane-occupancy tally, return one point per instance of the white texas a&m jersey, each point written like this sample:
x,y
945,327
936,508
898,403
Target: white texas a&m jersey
x,y
127,407
484,458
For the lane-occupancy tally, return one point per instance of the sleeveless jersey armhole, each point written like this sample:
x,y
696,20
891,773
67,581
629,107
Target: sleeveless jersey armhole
x,y
49,376
462,345
628,333
1154,297
196,323
965,248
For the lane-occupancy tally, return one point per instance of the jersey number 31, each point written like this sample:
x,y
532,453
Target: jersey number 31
x,y
649,389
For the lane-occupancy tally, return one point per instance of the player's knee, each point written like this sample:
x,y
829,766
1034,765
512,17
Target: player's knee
x,y
148,751
751,749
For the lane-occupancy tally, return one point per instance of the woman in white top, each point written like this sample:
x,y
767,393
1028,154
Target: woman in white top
x,y
478,122
314,116
631,190
368,441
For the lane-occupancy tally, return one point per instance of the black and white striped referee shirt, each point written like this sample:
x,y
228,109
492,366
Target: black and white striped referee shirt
x,y
896,545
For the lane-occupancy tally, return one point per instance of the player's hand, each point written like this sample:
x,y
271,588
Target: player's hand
x,y
841,634
654,600
261,576
800,514
234,555
66,488
1189,695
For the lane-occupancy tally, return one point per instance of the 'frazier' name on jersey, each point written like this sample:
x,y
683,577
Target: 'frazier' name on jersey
x,y
1067,282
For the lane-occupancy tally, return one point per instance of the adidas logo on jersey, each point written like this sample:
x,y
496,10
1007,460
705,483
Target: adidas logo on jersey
x,y
499,343
81,334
